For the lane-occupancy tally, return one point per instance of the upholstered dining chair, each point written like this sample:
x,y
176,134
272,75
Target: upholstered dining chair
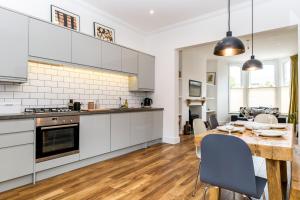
x,y
212,121
199,128
266,118
227,163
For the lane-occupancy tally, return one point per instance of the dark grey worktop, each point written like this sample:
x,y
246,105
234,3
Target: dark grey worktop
x,y
103,111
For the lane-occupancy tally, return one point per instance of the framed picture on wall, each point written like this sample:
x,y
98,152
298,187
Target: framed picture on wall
x,y
104,33
211,78
65,18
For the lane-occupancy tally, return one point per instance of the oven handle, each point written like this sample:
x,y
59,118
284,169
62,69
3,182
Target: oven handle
x,y
61,126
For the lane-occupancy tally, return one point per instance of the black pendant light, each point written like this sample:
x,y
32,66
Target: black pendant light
x,y
252,64
229,46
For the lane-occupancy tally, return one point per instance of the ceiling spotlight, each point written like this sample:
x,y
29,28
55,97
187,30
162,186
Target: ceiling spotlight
x,y
151,12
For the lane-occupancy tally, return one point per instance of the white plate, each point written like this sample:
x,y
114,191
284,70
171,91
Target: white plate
x,y
257,126
270,133
240,123
278,126
235,129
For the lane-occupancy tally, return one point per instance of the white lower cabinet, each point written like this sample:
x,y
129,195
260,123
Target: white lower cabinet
x,y
141,124
120,131
157,131
94,138
16,162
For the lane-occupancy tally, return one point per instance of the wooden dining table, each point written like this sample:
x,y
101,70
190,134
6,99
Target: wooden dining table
x,y
276,150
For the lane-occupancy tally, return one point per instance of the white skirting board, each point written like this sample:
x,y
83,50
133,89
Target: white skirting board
x,y
11,184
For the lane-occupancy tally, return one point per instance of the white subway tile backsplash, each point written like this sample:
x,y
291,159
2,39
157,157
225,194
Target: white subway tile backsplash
x,y
51,85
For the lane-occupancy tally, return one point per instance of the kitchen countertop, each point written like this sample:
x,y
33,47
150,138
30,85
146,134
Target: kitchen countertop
x,y
102,111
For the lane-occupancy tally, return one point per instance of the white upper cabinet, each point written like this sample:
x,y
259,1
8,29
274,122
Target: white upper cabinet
x,y
86,50
129,61
13,46
49,41
146,74
111,56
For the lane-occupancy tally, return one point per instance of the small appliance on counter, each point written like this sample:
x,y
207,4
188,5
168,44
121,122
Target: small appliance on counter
x,y
147,103
77,106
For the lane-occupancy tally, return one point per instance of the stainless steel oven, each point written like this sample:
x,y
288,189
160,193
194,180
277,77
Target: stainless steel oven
x,y
56,137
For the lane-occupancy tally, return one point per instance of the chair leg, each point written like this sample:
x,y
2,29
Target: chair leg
x,y
195,188
205,191
264,196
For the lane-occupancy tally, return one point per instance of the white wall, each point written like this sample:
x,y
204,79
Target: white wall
x,y
125,34
193,68
268,15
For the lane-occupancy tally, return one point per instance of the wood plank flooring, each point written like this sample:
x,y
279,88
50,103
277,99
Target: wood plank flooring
x,y
161,172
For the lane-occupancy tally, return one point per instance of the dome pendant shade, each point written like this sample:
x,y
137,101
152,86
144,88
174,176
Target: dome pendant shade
x,y
252,64
229,46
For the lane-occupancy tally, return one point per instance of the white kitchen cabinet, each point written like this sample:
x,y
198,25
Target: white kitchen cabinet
x,y
129,61
86,50
13,46
145,79
49,41
94,138
111,56
16,161
157,132
141,124
120,131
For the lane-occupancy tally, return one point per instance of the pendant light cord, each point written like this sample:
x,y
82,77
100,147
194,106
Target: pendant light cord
x,y
252,30
229,15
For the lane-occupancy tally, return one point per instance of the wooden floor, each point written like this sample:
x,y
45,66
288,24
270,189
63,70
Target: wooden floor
x,y
160,172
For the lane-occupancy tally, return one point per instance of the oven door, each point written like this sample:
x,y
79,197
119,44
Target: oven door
x,y
56,141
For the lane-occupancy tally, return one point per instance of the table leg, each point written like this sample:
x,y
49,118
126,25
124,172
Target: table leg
x,y
284,177
213,193
274,179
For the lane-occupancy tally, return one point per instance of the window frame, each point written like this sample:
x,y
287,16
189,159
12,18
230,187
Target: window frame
x,y
245,82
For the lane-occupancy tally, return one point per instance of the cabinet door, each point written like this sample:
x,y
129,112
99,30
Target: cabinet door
x,y
85,50
141,127
111,56
146,71
129,61
13,45
120,131
157,132
49,41
16,162
94,135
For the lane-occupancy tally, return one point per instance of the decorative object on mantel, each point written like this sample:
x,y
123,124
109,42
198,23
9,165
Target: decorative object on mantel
x,y
104,33
65,18
211,78
199,101
229,46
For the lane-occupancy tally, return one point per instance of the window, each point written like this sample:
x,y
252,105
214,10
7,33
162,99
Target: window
x,y
236,89
285,87
268,87
262,89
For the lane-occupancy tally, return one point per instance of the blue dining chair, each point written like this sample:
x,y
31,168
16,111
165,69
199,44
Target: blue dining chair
x,y
226,162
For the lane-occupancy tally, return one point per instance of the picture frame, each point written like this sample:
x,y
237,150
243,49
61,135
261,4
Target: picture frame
x,y
211,78
65,18
104,33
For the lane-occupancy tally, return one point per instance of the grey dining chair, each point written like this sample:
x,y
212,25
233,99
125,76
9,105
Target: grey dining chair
x,y
212,121
226,162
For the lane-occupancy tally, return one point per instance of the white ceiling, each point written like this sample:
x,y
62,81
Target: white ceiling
x,y
278,43
167,12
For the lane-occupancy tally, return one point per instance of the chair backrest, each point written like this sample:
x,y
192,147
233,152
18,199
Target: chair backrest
x,y
199,126
266,118
227,163
213,122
